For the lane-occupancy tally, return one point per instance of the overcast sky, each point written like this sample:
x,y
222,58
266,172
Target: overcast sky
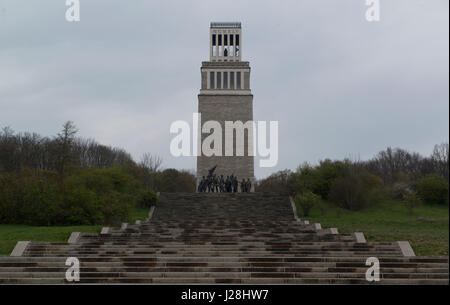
x,y
338,85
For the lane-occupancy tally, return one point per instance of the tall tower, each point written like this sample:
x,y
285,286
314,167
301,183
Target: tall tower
x,y
225,96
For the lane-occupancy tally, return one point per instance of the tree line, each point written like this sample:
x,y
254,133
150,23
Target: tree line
x,y
66,180
30,150
391,163
392,173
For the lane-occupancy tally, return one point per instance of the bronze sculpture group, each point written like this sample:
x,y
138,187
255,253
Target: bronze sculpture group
x,y
215,184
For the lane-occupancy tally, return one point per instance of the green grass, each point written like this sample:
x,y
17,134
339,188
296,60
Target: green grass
x,y
11,234
427,228
139,214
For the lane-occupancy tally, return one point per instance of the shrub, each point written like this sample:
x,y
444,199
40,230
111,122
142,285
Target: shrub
x,y
348,192
326,174
101,196
36,201
148,199
87,197
277,182
306,201
173,181
302,180
105,181
318,179
354,190
374,187
370,181
433,189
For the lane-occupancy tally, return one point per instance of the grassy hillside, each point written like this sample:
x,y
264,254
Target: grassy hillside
x,y
11,234
427,228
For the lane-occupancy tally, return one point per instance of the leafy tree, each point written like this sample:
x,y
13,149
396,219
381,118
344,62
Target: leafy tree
x,y
433,189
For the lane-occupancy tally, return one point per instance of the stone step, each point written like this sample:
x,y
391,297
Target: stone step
x,y
209,246
167,262
219,246
318,245
225,252
202,254
143,264
322,275
224,238
163,280
214,246
226,268
213,231
198,252
353,259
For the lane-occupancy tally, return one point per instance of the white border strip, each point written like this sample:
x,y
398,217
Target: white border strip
x,y
406,248
20,248
334,231
74,237
105,230
294,208
150,213
359,236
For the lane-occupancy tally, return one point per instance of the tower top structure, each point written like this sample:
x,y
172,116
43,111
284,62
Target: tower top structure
x,y
225,41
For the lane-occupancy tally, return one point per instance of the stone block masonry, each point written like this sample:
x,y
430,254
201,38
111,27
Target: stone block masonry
x,y
225,95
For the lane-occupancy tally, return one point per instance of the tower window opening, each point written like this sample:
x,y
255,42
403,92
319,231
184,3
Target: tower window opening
x,y
214,39
238,80
237,39
225,39
219,80
211,80
220,40
225,80
232,80
231,39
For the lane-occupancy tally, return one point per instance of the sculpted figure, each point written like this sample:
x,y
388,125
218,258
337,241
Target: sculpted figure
x,y
235,184
228,184
243,186
249,185
221,184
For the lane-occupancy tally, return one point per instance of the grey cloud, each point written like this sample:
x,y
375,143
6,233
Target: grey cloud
x,y
338,85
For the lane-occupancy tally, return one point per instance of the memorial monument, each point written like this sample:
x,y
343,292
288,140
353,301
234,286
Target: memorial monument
x,y
225,95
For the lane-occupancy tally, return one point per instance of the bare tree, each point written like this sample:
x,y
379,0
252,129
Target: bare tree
x,y
64,153
150,165
150,162
440,159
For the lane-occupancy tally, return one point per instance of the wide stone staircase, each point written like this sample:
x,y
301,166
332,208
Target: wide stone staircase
x,y
221,238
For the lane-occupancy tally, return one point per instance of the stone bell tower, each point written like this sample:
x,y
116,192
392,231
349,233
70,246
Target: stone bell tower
x,y
225,95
